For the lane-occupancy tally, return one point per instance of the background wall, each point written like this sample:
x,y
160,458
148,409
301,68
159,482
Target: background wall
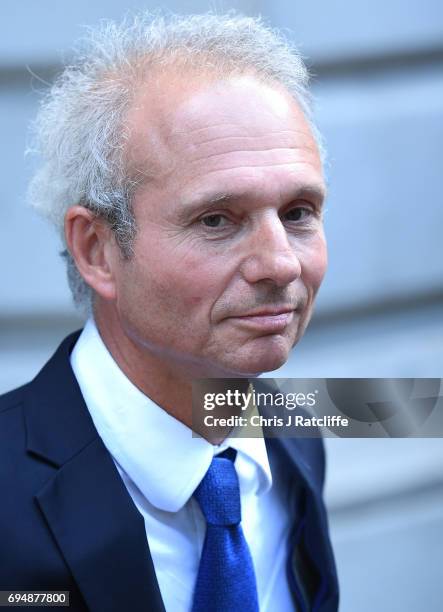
x,y
379,89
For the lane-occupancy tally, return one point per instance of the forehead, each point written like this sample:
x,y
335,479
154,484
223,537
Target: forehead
x,y
185,127
243,100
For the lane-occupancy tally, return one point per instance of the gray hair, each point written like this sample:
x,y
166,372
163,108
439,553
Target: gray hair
x,y
80,130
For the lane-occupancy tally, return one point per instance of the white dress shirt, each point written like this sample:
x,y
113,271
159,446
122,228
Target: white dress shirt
x,y
161,465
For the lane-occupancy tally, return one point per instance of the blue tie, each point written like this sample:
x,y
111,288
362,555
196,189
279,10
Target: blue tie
x,y
226,579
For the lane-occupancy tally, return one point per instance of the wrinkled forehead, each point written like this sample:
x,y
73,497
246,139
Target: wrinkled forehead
x,y
172,116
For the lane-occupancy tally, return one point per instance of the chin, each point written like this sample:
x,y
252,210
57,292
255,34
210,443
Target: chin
x,y
268,365
259,361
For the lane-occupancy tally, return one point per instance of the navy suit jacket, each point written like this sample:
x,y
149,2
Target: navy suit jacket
x,y
68,523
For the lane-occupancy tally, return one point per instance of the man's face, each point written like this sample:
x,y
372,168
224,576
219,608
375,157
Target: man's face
x,y
229,251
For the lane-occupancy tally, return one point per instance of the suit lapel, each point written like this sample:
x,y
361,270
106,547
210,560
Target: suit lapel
x,y
98,529
311,551
311,561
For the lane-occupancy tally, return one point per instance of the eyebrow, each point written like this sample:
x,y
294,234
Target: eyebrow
x,y
208,201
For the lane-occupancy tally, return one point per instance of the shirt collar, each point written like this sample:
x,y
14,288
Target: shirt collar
x,y
138,433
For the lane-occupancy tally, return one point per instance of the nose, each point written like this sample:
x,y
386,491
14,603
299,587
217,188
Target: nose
x,y
271,255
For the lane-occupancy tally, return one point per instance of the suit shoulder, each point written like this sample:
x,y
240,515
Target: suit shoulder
x,y
13,398
12,431
48,372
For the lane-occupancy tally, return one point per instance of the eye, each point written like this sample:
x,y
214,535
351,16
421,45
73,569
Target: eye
x,y
299,213
216,220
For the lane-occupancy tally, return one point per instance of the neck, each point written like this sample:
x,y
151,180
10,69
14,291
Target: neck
x,y
167,382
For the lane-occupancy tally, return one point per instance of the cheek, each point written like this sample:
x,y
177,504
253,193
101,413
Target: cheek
x,y
314,264
199,277
181,283
199,290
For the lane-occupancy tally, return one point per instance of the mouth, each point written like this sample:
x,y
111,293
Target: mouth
x,y
270,320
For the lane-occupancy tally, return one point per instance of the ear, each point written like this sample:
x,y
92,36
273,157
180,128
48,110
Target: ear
x,y
92,245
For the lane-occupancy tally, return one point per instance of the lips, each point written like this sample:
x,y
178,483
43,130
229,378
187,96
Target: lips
x,y
267,312
265,320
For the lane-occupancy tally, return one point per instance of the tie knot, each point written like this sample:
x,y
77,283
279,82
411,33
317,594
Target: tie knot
x,y
218,494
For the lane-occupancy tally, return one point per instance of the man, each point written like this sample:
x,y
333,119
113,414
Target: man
x,y
181,161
